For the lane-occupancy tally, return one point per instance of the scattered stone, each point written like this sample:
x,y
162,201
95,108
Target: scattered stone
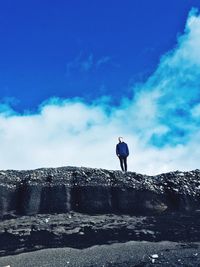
x,y
81,233
154,256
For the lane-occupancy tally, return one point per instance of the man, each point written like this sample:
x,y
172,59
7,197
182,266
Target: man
x,y
122,153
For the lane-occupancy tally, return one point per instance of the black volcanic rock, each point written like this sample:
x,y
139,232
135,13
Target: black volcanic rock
x,y
77,230
65,189
82,207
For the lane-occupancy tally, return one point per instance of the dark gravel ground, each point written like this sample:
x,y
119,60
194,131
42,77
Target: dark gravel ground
x,y
76,239
128,254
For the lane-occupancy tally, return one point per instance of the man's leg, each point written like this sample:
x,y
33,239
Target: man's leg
x,y
121,163
125,163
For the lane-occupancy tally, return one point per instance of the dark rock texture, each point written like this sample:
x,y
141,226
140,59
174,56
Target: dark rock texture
x,y
80,231
82,207
92,191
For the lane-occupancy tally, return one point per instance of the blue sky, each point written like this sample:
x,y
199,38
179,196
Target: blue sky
x,y
75,75
45,46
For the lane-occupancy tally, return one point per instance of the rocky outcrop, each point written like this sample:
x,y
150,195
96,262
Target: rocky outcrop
x,y
94,191
81,207
77,230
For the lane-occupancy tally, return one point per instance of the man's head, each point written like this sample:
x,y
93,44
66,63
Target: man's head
x,y
120,139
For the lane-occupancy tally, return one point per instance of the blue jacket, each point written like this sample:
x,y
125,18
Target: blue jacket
x,y
122,149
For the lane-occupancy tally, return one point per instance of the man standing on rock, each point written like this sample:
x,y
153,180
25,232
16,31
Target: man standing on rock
x,y
122,153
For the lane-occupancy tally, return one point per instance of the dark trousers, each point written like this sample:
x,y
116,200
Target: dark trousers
x,y
123,163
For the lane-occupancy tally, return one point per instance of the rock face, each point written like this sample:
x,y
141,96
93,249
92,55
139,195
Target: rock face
x,y
96,191
82,207
77,230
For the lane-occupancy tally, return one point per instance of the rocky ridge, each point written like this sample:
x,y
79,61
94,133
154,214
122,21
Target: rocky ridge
x,y
81,207
92,191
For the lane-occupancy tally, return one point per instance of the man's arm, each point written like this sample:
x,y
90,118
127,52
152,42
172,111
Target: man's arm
x,y
117,150
127,150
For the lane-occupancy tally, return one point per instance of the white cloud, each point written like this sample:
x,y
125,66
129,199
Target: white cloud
x,y
102,61
86,64
195,112
165,110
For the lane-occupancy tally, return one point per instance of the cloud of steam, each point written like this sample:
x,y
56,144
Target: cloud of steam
x,y
160,124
